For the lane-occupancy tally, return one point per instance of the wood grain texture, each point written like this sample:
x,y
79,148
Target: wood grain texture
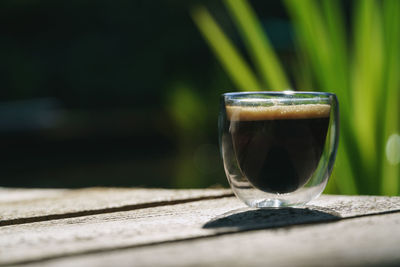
x,y
20,206
146,227
363,241
10,196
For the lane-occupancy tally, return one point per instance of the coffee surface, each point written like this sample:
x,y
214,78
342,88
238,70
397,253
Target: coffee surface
x,y
278,148
255,113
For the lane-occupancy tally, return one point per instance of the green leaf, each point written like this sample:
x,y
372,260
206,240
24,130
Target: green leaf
x,y
390,175
258,45
367,88
228,55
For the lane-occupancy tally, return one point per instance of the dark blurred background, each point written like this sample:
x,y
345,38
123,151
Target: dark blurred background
x,y
114,93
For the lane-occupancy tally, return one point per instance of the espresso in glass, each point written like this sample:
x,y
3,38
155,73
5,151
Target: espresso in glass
x,y
278,148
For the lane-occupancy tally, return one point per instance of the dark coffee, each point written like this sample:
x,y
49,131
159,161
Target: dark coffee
x,y
278,148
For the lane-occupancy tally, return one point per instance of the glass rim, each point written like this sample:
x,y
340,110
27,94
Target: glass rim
x,y
279,93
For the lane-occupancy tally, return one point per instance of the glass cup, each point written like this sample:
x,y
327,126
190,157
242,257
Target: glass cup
x,y
278,148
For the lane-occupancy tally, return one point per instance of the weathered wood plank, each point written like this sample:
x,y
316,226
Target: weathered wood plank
x,y
363,241
10,196
144,227
348,206
21,206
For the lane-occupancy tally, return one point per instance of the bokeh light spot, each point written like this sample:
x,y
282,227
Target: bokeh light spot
x,y
393,149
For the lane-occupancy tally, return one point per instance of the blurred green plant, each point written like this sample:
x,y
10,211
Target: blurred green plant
x,y
186,109
360,65
197,163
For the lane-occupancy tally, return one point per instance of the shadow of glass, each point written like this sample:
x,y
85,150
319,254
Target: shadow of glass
x,y
248,219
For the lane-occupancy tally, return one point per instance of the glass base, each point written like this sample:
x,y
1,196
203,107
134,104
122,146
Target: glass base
x,y
255,198
273,203
270,203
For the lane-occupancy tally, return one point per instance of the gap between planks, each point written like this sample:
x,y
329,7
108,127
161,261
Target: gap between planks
x,y
108,210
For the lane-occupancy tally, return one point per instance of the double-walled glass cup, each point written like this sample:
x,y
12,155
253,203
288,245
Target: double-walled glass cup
x,y
278,148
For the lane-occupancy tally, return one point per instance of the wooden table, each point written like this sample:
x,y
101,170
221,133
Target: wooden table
x,y
159,227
